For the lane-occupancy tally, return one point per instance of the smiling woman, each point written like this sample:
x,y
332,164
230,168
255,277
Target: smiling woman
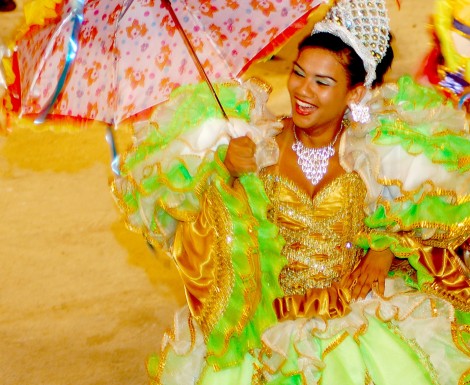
x,y
333,261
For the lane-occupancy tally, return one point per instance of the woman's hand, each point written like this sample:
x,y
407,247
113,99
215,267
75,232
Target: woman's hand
x,y
240,157
371,271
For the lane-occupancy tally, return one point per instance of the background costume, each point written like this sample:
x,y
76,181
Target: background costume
x,y
448,64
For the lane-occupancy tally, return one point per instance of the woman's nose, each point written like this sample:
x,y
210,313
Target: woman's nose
x,y
305,87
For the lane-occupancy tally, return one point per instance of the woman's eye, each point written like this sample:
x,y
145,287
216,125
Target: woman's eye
x,y
297,71
325,82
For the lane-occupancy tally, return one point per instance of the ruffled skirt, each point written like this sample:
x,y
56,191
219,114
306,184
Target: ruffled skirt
x,y
405,337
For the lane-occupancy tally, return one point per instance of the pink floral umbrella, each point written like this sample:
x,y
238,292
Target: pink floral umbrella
x,y
110,60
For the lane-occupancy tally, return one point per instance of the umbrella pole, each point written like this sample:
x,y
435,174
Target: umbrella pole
x,y
190,48
112,146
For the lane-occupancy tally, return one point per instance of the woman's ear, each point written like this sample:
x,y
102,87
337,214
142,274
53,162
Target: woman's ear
x,y
359,111
356,94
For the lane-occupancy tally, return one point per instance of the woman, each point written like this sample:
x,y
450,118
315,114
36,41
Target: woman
x,y
285,274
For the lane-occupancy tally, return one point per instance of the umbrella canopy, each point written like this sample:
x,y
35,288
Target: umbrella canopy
x,y
110,60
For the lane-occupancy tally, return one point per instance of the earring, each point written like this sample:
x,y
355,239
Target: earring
x,y
360,113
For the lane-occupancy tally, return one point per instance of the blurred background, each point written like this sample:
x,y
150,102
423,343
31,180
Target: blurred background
x,y
83,300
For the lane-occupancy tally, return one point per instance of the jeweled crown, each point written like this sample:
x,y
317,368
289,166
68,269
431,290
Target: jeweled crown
x,y
364,26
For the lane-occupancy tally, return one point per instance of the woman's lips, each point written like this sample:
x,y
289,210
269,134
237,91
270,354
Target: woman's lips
x,y
304,108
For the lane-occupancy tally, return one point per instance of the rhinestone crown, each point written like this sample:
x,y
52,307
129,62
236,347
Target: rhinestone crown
x,y
364,26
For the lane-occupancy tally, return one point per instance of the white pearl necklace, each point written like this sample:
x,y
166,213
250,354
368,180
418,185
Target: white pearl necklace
x,y
314,161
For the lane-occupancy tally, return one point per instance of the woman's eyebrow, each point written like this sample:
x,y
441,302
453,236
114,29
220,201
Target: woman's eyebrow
x,y
316,75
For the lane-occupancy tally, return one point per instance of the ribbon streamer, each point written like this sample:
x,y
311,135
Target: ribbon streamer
x,y
463,99
77,18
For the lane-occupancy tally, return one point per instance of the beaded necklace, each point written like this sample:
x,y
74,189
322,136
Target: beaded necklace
x,y
314,161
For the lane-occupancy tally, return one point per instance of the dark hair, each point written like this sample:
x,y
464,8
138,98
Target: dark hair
x,y
348,57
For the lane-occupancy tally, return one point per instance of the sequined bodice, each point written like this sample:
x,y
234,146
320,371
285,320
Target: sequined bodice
x,y
319,232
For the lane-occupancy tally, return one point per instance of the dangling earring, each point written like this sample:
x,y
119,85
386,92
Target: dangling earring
x,y
359,112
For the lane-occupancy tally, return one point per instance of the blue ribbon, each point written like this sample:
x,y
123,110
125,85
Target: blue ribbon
x,y
463,99
76,17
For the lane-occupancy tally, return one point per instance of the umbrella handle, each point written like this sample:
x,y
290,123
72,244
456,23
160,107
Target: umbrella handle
x,y
200,68
77,19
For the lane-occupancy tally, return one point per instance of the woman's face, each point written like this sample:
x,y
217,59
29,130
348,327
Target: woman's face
x,y
318,89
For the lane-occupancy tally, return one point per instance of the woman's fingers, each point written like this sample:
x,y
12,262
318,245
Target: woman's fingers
x,y
240,157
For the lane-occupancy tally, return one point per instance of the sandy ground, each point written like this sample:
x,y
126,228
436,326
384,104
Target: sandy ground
x,y
82,299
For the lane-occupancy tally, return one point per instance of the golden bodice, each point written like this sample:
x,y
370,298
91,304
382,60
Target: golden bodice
x,y
320,232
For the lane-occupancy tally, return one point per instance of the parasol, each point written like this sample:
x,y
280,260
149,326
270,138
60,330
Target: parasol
x,y
109,61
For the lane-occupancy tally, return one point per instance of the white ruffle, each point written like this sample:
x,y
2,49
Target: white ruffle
x,y
377,164
420,318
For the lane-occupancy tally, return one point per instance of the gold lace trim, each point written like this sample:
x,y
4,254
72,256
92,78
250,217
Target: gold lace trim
x,y
320,250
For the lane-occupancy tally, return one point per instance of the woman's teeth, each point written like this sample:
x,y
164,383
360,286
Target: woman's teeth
x,y
304,107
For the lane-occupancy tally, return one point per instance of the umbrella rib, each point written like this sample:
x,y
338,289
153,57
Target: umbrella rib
x,y
77,19
193,54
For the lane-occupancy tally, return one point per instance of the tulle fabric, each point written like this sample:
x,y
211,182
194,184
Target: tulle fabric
x,y
405,337
413,158
171,163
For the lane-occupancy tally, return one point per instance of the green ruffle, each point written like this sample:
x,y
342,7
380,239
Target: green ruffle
x,y
428,136
154,197
433,212
193,104
411,96
266,246
167,187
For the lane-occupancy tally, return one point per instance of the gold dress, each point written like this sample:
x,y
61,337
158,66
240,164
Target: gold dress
x,y
320,235
262,262
320,334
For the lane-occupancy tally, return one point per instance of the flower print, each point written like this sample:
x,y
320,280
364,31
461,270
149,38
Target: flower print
x,y
301,5
91,73
247,35
168,24
88,34
217,36
232,4
272,33
114,15
166,86
196,42
136,30
162,60
92,110
264,6
136,78
207,8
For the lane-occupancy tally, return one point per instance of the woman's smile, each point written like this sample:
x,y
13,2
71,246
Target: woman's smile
x,y
303,108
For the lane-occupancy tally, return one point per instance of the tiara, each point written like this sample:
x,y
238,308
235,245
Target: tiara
x,y
364,26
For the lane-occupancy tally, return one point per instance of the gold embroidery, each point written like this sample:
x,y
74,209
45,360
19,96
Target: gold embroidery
x,y
320,233
459,338
442,292
334,344
220,291
465,378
